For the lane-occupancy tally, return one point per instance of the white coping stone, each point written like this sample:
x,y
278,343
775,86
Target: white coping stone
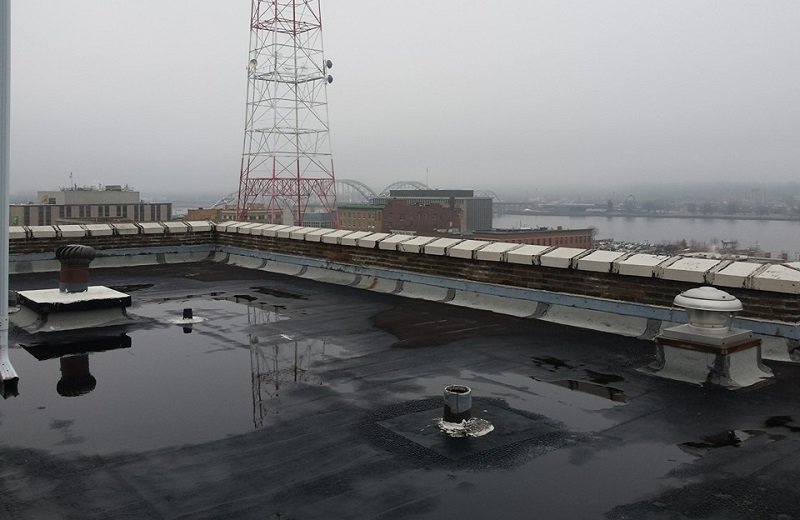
x,y
72,231
151,228
778,278
390,243
352,238
333,238
599,261
273,231
317,234
285,232
223,226
416,244
640,264
689,269
496,251
197,226
735,274
16,232
466,249
176,227
259,229
526,255
300,234
234,228
440,245
93,292
370,241
126,228
247,229
99,230
42,231
560,257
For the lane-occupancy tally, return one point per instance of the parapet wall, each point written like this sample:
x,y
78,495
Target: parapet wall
x,y
444,269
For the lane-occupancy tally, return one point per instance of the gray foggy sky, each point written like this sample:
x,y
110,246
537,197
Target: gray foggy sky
x,y
483,94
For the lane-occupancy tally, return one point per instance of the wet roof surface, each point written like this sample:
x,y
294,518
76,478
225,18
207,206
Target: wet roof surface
x,y
295,399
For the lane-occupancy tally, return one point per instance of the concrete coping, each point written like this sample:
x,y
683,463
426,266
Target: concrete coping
x,y
273,231
125,228
317,234
287,231
42,231
261,229
71,231
175,226
640,264
599,261
223,226
250,228
779,278
390,243
99,230
334,237
416,244
151,228
467,248
300,234
736,274
17,232
688,269
440,246
562,257
528,254
371,240
352,238
496,251
198,226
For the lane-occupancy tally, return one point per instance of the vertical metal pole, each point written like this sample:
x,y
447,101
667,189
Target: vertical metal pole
x,y
6,370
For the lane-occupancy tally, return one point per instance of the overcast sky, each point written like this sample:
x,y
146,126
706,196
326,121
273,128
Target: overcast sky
x,y
481,94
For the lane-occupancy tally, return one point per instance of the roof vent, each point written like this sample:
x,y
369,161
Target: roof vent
x,y
709,308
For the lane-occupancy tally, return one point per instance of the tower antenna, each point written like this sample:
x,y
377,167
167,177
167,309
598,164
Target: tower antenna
x,y
286,156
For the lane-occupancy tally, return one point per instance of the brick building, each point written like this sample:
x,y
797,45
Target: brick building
x,y
361,217
582,238
475,212
420,218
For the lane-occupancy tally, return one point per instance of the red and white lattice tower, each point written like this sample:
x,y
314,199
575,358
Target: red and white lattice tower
x,y
287,163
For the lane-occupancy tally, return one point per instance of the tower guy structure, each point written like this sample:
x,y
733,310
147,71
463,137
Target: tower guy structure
x,y
287,163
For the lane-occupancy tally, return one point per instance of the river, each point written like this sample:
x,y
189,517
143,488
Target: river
x,y
774,236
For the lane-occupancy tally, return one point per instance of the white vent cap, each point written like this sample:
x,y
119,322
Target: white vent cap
x,y
708,299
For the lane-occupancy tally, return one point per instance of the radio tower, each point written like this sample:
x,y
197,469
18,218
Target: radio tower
x,y
286,159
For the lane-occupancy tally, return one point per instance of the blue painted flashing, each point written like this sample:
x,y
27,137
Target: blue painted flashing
x,y
655,312
652,312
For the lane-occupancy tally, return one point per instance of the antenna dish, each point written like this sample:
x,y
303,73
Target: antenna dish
x,y
329,64
329,78
252,64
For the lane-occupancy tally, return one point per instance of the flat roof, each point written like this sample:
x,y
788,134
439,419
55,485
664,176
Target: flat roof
x,y
298,399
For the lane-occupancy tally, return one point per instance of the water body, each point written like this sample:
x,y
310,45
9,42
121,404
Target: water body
x,y
774,236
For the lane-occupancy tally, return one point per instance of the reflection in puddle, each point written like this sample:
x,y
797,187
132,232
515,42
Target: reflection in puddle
x,y
591,389
276,366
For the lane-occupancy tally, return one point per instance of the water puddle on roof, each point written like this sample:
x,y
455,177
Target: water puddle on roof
x,y
159,386
587,394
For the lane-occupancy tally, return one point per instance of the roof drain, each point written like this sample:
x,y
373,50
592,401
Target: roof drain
x,y
457,420
708,349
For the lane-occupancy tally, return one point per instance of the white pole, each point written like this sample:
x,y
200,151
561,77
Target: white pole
x,y
6,370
